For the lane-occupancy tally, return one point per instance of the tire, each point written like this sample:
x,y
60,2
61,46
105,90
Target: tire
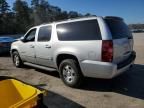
x,y
16,59
70,73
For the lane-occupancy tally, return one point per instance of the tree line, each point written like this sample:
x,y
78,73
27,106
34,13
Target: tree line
x,y
20,17
136,26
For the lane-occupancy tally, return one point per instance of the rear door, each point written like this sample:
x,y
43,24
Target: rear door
x,y
122,39
44,47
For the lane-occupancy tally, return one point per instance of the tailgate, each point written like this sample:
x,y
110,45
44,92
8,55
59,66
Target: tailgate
x,y
122,49
122,39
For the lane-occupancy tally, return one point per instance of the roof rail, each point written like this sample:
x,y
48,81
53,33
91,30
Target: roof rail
x,y
70,19
82,17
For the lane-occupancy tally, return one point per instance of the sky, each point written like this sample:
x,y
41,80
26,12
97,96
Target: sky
x,y
131,10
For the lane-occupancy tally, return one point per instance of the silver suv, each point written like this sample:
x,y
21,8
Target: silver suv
x,y
99,47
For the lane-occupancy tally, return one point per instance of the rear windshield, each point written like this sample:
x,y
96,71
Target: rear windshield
x,y
118,29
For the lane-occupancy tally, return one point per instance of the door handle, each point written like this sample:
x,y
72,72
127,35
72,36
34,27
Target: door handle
x,y
47,46
31,46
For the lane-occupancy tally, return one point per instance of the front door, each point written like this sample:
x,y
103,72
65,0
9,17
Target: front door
x,y
28,47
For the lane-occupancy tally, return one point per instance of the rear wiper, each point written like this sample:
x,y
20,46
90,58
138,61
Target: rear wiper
x,y
129,37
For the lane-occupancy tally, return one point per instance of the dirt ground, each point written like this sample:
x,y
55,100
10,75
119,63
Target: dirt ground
x,y
125,91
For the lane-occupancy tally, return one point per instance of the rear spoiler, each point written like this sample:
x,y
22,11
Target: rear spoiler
x,y
113,17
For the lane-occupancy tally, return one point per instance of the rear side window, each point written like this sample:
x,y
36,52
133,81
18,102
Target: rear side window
x,y
118,29
44,33
80,30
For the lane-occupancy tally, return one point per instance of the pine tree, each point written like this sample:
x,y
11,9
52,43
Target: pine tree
x,y
4,7
22,15
41,11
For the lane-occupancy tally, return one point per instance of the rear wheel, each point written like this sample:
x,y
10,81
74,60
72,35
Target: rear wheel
x,y
70,73
16,59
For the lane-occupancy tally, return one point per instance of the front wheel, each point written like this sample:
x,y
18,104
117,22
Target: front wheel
x,y
16,59
70,73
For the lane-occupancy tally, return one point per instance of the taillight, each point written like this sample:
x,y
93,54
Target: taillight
x,y
107,50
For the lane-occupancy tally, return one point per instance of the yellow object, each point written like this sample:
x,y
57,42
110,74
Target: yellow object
x,y
15,94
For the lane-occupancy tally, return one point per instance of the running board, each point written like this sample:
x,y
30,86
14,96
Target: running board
x,y
40,67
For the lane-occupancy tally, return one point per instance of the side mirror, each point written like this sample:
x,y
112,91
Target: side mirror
x,y
22,39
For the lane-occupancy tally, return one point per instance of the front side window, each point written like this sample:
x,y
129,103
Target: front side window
x,y
80,30
30,35
44,33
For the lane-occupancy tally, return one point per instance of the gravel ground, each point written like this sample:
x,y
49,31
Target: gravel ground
x,y
125,91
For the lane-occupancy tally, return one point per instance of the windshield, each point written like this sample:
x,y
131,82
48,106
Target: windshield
x,y
118,28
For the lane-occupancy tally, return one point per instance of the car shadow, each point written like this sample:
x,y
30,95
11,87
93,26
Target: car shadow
x,y
53,100
130,83
51,73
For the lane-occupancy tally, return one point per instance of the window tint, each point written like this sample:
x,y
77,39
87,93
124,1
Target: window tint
x,y
80,30
44,33
118,29
31,35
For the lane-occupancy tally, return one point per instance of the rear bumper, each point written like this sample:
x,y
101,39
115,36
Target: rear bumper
x,y
106,70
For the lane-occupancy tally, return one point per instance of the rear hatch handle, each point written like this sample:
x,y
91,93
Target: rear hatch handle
x,y
127,53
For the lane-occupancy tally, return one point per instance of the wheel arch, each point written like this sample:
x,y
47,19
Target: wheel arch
x,y
14,50
64,56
